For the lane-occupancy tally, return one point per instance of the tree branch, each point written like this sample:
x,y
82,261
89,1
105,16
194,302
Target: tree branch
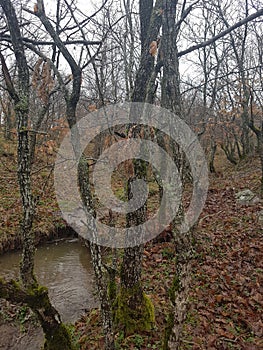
x,y
220,35
58,42
49,43
9,84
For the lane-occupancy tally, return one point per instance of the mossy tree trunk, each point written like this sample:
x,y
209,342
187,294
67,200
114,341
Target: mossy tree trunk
x,y
29,293
56,334
133,310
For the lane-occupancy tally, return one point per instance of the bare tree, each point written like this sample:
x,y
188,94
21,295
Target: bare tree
x,y
30,292
72,99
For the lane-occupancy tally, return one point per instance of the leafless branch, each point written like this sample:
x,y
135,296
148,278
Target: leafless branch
x,y
222,34
50,43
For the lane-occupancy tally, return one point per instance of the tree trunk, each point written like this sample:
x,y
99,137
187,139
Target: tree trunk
x,y
260,143
171,100
56,335
8,122
102,282
134,310
72,99
152,26
213,147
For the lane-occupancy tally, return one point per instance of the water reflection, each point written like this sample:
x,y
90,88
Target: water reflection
x,y
65,268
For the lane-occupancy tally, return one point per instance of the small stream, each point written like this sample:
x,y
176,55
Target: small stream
x,y
65,268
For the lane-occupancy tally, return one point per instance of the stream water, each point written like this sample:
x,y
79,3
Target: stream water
x,y
65,268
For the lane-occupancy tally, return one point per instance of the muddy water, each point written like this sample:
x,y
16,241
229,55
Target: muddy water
x,y
65,268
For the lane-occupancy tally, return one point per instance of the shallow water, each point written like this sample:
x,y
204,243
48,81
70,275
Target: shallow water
x,y
65,268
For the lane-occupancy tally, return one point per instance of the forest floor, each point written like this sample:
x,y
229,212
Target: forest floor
x,y
226,299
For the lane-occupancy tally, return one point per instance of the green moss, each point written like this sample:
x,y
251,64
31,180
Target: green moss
x,y
132,320
112,290
23,105
75,336
59,340
168,330
38,297
37,290
57,336
170,319
174,288
121,193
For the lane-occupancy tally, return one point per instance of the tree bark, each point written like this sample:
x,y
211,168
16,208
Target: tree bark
x,y
57,336
147,61
30,293
72,99
171,100
170,86
134,311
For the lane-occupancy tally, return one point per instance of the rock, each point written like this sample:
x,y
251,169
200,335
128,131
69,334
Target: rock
x,y
246,197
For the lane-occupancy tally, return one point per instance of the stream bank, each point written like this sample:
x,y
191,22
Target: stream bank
x,y
13,242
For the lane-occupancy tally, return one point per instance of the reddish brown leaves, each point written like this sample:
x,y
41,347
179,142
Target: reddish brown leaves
x,y
228,287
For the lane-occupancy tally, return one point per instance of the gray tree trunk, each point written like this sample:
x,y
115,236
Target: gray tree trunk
x,y
30,293
72,99
171,100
